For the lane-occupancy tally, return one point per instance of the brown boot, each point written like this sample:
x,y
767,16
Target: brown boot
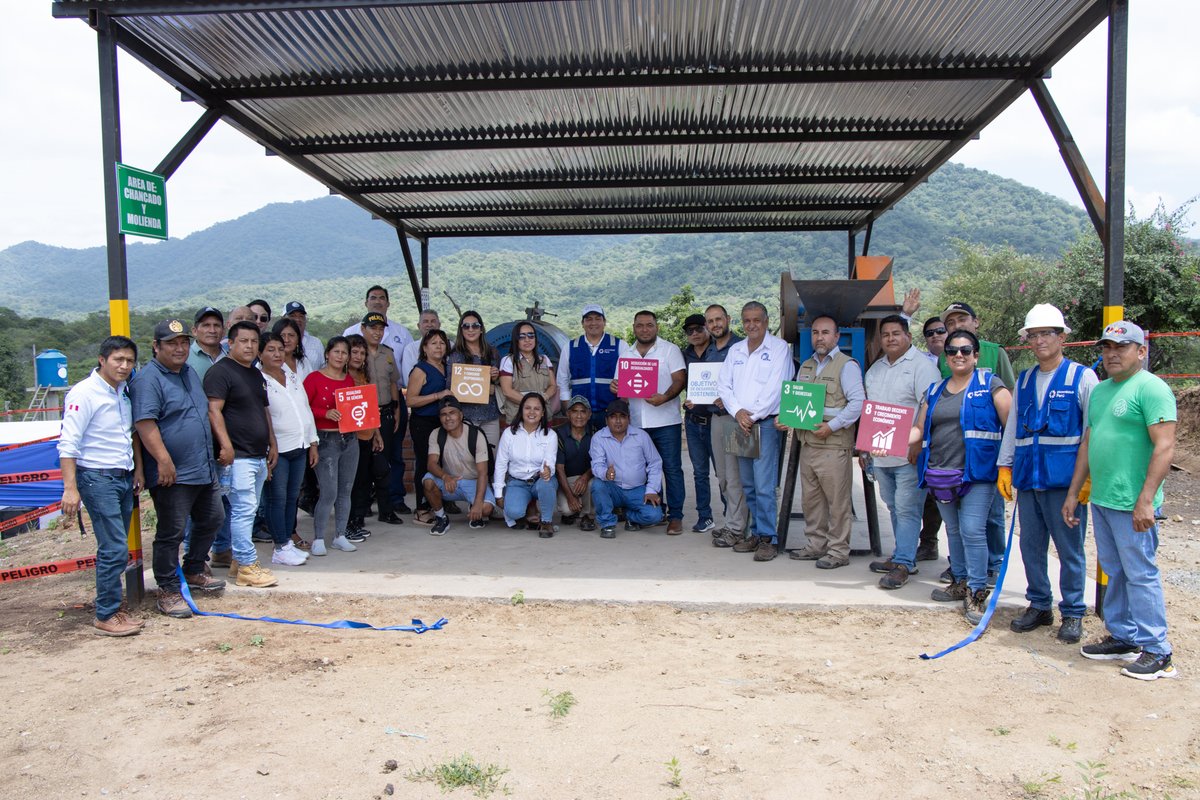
x,y
747,545
119,624
766,551
976,605
955,592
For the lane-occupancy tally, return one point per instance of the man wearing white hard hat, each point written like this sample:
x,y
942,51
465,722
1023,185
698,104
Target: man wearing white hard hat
x,y
588,365
1037,459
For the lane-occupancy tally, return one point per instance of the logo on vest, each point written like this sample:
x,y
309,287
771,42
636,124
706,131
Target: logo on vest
x,y
1057,393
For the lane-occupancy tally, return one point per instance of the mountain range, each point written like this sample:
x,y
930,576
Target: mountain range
x,y
326,252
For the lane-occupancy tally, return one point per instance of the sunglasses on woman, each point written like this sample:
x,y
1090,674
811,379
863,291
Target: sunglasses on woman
x,y
526,335
471,326
964,350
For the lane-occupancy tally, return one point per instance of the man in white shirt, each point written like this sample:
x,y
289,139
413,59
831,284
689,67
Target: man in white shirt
x,y
659,415
750,386
429,321
314,351
101,467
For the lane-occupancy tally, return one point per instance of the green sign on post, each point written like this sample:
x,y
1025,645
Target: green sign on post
x,y
143,202
802,405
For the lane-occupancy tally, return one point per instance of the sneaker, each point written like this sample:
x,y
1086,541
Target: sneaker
x,y
947,576
1071,630
747,545
587,523
976,605
296,551
766,551
704,526
831,562
955,592
440,526
119,624
608,532
885,567
546,531
1031,619
1109,649
927,552
358,535
286,557
173,605
727,538
218,560
806,554
476,524
1151,667
317,548
343,544
204,583
896,577
255,576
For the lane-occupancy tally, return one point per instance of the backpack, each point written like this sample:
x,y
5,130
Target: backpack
x,y
473,434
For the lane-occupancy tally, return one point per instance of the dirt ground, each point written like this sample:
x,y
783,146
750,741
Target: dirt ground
x,y
746,703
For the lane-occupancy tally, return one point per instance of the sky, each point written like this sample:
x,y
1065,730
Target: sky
x,y
50,145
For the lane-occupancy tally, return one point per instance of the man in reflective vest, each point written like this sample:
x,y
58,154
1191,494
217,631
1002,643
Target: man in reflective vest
x,y
1037,459
588,365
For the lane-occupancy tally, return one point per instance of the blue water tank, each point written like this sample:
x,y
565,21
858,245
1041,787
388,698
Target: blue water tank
x,y
50,368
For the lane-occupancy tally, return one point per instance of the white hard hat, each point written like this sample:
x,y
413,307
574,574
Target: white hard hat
x,y
1044,315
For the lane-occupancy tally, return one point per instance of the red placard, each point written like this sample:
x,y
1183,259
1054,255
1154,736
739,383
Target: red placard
x,y
359,408
637,377
884,426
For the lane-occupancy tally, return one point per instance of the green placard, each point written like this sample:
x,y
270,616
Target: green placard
x,y
143,202
802,405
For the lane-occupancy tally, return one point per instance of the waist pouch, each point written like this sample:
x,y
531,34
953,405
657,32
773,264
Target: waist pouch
x,y
946,485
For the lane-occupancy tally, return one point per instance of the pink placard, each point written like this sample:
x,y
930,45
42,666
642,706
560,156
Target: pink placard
x,y
884,426
637,377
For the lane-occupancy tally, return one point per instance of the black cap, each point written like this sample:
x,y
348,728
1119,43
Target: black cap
x,y
294,305
170,329
618,406
693,320
208,311
374,318
449,402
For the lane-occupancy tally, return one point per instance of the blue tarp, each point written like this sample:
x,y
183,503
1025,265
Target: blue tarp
x,y
42,456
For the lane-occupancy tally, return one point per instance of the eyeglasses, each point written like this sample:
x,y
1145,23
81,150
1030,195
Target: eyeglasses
x,y
1034,336
471,326
934,332
965,350
524,334
693,331
264,317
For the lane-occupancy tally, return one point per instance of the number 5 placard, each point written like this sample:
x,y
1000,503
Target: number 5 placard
x,y
470,382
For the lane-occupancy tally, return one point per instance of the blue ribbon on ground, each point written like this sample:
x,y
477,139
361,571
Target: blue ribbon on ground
x,y
417,625
991,606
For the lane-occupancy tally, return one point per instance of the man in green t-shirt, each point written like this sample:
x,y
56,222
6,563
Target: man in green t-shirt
x,y
1131,414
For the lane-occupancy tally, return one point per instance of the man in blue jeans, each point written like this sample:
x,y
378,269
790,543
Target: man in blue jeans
x,y
659,415
102,469
626,471
1037,459
901,377
1127,450
751,386
245,443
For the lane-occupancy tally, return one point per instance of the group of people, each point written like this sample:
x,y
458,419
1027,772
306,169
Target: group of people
x,y
235,403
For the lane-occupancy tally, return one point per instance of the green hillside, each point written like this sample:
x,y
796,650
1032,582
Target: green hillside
x,y
327,252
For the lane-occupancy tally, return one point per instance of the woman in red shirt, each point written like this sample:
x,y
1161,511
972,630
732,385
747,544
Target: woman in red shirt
x,y
337,460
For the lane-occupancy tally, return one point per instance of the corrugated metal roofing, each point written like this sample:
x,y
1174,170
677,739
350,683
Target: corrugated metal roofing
x,y
504,117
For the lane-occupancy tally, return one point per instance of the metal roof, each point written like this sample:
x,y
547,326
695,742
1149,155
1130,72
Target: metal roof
x,y
585,116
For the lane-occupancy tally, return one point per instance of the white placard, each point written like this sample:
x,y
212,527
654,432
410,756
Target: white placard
x,y
702,382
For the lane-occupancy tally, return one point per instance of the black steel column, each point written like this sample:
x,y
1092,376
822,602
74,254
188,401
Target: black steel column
x,y
850,253
409,265
425,273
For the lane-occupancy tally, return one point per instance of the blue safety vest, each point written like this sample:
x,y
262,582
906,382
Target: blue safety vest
x,y
981,427
592,374
1048,437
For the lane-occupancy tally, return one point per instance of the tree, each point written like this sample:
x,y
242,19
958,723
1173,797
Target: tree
x,y
12,378
999,283
671,316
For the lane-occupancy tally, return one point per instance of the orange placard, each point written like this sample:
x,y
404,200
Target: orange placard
x,y
870,268
471,383
359,407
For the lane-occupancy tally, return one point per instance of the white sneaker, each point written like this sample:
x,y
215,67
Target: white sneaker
x,y
318,547
296,551
342,543
288,559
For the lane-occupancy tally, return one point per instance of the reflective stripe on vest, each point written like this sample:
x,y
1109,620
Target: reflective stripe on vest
x,y
1047,437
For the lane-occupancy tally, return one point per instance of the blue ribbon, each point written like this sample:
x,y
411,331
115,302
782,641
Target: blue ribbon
x,y
417,625
991,606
